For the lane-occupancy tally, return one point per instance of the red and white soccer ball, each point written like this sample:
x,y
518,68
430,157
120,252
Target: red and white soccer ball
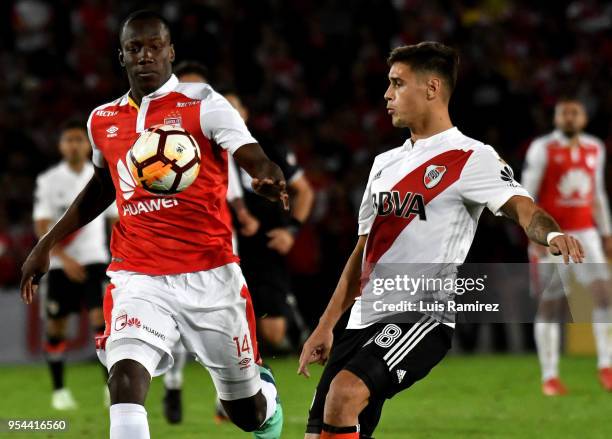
x,y
164,160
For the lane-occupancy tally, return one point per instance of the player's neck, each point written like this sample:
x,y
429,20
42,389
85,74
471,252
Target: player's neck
x,y
76,167
430,126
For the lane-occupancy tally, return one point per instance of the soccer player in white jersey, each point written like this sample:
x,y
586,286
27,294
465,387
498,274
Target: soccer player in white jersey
x,y
421,205
76,273
564,170
192,71
173,271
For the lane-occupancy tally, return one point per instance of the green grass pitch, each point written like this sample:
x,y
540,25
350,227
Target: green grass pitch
x,y
464,397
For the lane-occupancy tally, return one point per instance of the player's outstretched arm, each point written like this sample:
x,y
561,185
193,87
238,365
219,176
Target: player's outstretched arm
x,y
538,224
91,202
268,179
317,347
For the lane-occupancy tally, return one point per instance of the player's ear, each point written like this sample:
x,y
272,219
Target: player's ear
x,y
433,87
121,60
172,54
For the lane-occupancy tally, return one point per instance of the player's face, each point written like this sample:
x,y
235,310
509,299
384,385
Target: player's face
x,y
147,54
237,104
406,95
74,145
192,77
570,117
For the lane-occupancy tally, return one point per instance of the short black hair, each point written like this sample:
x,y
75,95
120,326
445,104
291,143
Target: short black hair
x,y
429,56
72,124
569,97
192,67
144,14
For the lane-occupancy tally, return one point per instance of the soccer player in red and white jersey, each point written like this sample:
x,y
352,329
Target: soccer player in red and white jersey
x,y
421,206
564,170
173,271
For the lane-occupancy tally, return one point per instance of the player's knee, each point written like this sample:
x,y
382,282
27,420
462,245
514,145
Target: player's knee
x,y
347,393
128,382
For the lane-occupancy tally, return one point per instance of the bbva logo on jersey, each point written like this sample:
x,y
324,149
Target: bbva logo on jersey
x,y
387,203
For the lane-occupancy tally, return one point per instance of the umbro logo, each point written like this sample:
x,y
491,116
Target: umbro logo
x,y
378,174
400,375
112,131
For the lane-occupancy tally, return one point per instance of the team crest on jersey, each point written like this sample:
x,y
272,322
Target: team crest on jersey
x,y
174,119
121,322
433,175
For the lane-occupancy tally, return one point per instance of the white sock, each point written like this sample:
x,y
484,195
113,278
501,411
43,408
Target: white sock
x,y
269,391
128,421
547,337
173,379
601,330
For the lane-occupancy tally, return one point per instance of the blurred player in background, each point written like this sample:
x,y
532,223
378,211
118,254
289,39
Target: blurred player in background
x,y
76,273
421,205
173,271
262,254
193,71
564,170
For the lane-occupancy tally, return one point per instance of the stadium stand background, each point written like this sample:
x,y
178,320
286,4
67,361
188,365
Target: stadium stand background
x,y
313,75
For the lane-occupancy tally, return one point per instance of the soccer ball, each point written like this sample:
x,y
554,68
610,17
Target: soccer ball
x,y
164,160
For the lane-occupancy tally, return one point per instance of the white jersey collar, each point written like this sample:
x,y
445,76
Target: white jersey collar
x,y
409,145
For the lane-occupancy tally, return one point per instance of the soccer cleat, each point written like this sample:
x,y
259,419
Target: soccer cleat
x,y
273,427
62,399
554,387
605,378
173,406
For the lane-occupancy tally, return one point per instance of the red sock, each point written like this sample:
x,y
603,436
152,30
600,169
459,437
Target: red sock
x,y
328,435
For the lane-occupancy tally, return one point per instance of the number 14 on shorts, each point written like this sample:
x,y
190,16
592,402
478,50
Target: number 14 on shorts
x,y
242,347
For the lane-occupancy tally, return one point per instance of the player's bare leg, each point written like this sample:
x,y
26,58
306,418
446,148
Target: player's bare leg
x,y
55,347
348,395
272,330
602,327
547,334
173,383
261,413
128,384
96,321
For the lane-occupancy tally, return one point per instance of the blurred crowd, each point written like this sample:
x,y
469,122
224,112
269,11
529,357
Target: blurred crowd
x,y
313,75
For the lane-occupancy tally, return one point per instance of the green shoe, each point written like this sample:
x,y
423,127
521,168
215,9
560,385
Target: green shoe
x,y
274,426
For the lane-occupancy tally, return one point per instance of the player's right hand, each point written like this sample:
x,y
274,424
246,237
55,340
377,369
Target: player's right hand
x,y
74,271
569,247
273,190
34,267
315,350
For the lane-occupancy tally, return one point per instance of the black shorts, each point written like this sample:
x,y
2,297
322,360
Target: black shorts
x,y
388,357
269,285
65,296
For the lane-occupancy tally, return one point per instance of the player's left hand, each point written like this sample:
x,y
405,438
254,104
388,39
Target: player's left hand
x,y
273,190
249,224
607,245
315,350
569,247
281,240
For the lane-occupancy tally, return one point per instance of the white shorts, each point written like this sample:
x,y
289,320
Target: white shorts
x,y
209,311
550,276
